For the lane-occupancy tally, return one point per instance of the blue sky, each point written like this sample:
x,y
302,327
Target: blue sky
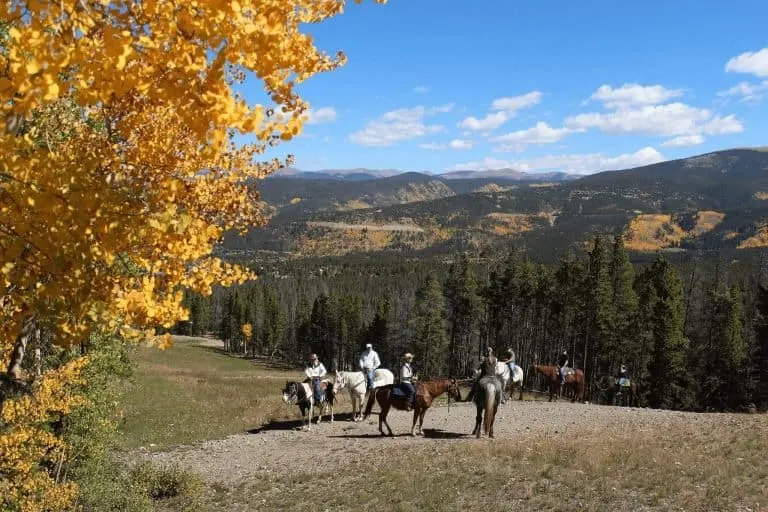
x,y
580,86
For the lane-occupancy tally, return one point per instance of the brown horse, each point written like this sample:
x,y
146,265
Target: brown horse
x,y
610,387
574,381
426,392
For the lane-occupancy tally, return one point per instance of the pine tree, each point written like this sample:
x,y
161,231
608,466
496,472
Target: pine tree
x,y
625,348
761,352
601,334
463,308
430,340
670,383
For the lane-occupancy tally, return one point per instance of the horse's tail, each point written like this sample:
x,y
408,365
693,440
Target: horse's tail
x,y
490,405
369,405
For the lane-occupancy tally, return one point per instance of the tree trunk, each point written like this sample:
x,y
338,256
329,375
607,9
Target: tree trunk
x,y
28,330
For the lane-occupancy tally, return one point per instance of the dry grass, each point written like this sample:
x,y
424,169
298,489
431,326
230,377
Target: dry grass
x,y
706,221
190,393
759,240
650,232
508,223
680,468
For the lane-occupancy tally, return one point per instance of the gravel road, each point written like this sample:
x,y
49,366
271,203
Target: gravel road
x,y
279,448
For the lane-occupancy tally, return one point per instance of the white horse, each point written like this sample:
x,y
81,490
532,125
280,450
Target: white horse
x,y
300,393
355,382
505,375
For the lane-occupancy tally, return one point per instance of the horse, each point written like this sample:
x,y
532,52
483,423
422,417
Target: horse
x,y
300,393
355,382
574,381
487,397
426,392
505,375
610,386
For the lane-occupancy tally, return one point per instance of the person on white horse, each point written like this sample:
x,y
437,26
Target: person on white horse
x,y
369,361
509,360
315,372
406,380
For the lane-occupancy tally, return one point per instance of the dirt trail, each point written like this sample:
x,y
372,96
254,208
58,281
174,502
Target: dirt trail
x,y
279,448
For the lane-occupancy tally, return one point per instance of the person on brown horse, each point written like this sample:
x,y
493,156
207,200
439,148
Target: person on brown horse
x,y
406,380
562,366
622,380
487,369
315,372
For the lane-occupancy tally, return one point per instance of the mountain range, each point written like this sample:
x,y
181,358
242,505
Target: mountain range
x,y
710,202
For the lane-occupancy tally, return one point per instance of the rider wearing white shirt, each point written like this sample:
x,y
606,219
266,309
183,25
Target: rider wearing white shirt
x,y
406,380
315,372
369,361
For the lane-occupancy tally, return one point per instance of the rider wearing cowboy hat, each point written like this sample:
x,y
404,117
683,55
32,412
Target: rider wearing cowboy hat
x,y
406,380
315,371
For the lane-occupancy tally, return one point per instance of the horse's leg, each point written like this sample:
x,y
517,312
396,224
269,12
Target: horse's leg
x,y
421,421
478,421
383,418
415,418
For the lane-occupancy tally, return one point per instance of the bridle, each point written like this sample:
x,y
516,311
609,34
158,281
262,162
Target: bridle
x,y
293,393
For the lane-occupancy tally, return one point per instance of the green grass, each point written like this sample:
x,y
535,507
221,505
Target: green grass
x,y
191,393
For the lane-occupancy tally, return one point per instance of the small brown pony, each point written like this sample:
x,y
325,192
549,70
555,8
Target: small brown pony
x,y
426,392
573,381
609,386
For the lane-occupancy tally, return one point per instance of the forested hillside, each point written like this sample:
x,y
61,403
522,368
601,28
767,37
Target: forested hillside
x,y
693,333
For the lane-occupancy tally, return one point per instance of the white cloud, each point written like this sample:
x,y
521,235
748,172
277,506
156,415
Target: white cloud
x,y
460,144
755,63
683,141
503,109
574,163
454,144
749,92
634,94
421,89
514,103
670,120
321,115
485,124
541,133
399,125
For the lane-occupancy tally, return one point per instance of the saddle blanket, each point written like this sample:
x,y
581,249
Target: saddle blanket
x,y
399,390
624,382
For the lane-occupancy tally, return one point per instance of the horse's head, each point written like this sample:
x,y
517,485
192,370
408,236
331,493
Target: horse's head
x,y
339,382
291,392
453,390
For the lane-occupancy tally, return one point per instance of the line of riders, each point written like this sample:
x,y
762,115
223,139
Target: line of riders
x,y
369,362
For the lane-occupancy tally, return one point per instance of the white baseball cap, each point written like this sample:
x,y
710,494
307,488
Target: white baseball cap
x,y
368,345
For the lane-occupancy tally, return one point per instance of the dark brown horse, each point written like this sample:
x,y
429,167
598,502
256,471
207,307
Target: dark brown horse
x,y
574,381
426,392
609,386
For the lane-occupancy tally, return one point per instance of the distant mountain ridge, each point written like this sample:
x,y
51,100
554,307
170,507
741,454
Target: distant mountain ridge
x,y
361,174
707,202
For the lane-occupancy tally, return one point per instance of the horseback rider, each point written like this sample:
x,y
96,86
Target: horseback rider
x,y
621,379
562,365
369,361
315,371
487,369
509,359
406,380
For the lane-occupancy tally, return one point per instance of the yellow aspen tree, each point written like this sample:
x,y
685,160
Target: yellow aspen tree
x,y
119,175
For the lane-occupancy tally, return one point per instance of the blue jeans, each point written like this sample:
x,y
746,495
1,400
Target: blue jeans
x,y
410,391
369,380
317,390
